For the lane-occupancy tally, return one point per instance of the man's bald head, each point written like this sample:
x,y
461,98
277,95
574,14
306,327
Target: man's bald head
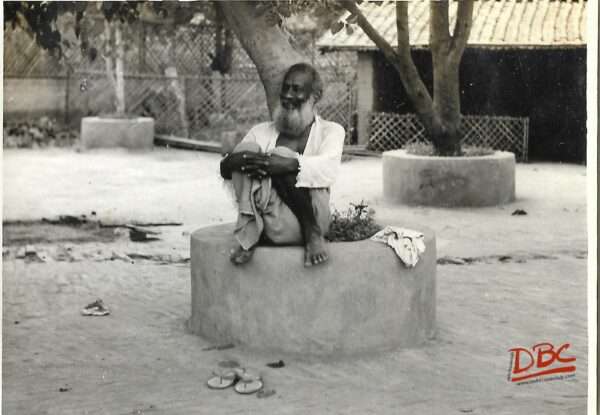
x,y
310,76
301,89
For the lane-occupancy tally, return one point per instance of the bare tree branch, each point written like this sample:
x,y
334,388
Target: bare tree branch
x,y
402,29
462,28
439,22
370,31
401,59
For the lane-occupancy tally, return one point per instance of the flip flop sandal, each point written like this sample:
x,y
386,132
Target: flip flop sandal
x,y
223,380
248,384
96,308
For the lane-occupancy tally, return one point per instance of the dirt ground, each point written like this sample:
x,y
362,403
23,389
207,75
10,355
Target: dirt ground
x,y
526,284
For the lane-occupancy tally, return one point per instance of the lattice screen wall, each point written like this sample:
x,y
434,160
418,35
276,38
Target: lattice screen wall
x,y
211,99
389,131
211,102
149,50
150,47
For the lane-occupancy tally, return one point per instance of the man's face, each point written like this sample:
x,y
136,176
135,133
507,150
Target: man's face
x,y
296,90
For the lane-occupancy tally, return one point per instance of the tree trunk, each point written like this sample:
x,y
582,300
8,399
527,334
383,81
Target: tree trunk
x,y
445,132
447,51
439,115
119,69
109,59
175,84
266,44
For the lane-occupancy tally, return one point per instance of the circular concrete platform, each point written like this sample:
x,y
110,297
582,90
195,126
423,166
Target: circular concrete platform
x,y
132,133
362,300
448,181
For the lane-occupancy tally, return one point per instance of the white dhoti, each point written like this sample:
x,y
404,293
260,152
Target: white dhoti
x,y
261,210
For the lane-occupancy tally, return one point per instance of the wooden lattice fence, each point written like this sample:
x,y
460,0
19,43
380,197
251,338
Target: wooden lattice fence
x,y
389,131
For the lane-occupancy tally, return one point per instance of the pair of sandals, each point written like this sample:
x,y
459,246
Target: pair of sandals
x,y
243,382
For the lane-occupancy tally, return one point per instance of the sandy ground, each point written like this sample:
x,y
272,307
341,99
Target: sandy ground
x,y
140,359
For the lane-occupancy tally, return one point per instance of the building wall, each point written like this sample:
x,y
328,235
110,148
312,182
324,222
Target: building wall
x,y
546,85
28,99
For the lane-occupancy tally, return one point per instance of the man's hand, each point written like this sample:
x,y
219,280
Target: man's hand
x,y
278,165
261,165
254,165
258,165
238,162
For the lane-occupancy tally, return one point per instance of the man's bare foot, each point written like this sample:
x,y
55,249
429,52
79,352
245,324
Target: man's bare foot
x,y
239,256
315,251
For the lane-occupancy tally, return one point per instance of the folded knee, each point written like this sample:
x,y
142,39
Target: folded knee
x,y
244,146
284,152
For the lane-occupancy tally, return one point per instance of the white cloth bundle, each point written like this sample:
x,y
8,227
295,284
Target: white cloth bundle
x,y
407,244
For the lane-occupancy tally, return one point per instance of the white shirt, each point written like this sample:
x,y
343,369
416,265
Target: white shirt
x,y
320,163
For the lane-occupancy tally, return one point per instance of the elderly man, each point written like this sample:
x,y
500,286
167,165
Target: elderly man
x,y
282,171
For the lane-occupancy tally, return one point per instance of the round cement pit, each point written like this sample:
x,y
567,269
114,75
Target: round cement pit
x,y
362,300
131,133
448,181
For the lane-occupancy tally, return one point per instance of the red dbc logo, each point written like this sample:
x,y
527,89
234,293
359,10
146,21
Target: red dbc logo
x,y
542,360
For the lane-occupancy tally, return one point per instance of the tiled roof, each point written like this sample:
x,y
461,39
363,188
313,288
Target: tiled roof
x,y
496,23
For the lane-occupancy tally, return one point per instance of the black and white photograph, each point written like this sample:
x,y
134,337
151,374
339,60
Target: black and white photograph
x,y
299,207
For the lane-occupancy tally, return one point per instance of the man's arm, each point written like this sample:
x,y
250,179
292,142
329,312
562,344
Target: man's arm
x,y
229,164
262,165
321,170
257,165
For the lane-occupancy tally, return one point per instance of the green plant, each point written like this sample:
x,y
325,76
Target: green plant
x,y
356,224
474,151
42,132
421,148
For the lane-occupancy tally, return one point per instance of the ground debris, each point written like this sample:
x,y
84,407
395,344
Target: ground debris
x,y
67,220
490,259
451,260
150,224
519,212
122,257
69,253
162,259
30,254
229,364
141,411
50,231
63,254
219,347
265,393
141,235
276,365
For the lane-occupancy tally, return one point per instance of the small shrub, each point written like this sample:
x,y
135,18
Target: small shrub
x,y
42,132
356,224
474,151
118,115
420,148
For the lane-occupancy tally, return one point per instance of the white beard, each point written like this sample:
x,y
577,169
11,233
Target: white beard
x,y
294,121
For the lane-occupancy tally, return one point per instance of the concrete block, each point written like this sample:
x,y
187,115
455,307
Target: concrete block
x,y
363,300
448,181
132,133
